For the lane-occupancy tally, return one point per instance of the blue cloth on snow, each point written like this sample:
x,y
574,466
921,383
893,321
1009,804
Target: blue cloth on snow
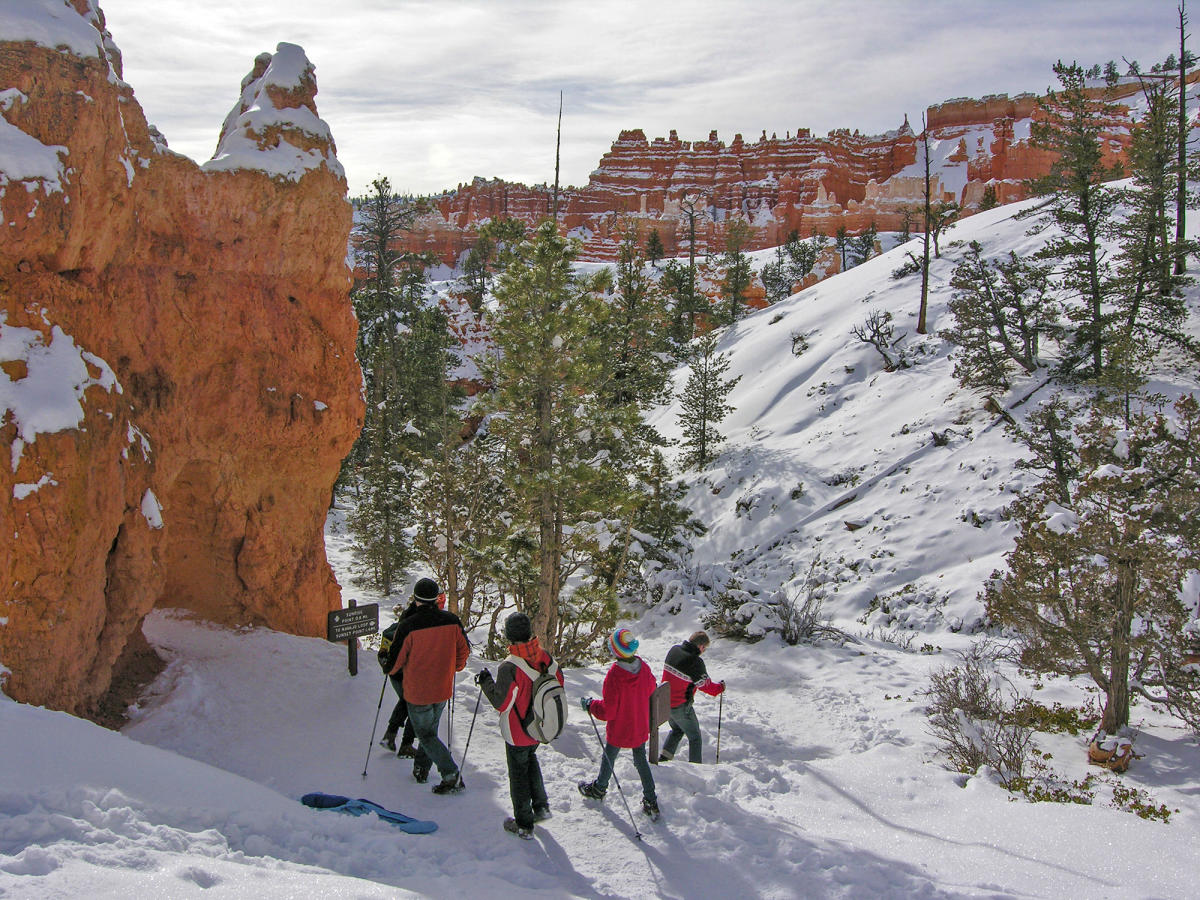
x,y
361,807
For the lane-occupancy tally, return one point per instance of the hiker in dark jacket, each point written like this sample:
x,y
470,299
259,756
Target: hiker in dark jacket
x,y
399,717
511,692
624,705
432,647
686,673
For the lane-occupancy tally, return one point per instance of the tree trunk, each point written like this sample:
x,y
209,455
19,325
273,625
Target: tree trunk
x,y
1181,178
1116,700
547,593
921,326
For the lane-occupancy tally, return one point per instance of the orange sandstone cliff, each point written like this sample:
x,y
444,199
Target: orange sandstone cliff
x,y
178,383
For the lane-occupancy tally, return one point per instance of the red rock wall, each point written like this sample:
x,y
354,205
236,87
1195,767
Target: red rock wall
x,y
797,182
219,301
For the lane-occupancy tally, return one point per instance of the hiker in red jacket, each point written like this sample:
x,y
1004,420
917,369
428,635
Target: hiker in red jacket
x,y
625,707
686,673
433,646
511,692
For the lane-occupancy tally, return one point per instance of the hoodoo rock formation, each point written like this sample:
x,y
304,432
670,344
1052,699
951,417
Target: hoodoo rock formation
x,y
178,384
778,185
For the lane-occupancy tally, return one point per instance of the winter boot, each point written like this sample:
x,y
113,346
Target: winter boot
x,y
589,790
511,826
650,808
389,740
421,774
407,750
542,813
665,757
452,784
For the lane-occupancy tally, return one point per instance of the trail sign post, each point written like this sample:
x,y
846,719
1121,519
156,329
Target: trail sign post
x,y
660,713
349,624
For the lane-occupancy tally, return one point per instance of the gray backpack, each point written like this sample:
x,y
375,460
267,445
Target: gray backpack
x,y
547,712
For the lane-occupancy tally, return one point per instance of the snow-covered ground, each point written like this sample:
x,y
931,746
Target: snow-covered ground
x,y
828,784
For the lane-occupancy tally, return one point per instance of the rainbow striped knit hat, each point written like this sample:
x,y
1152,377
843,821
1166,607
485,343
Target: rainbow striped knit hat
x,y
623,644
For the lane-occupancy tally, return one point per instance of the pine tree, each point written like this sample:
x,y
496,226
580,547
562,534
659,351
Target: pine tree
x,y
841,240
863,245
942,217
576,365
1001,310
926,216
405,350
1149,305
691,208
461,532
703,401
776,277
1080,205
492,251
634,327
736,265
1094,582
654,248
1186,60
549,418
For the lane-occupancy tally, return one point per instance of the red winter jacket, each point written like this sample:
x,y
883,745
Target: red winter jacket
x,y
686,673
512,691
625,704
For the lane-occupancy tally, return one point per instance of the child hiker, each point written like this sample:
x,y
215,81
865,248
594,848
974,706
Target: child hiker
x,y
511,693
686,673
625,706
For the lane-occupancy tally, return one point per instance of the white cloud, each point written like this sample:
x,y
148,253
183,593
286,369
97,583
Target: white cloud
x,y
433,94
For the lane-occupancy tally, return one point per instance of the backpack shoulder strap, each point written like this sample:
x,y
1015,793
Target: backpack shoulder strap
x,y
532,673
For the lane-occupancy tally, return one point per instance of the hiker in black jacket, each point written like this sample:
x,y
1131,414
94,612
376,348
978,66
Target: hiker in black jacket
x,y
686,673
511,692
399,717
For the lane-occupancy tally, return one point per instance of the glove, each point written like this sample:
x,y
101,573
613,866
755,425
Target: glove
x,y
586,703
722,686
484,675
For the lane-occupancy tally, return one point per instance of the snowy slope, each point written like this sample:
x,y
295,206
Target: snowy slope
x,y
922,517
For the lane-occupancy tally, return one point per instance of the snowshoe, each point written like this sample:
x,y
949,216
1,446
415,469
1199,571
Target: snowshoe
x,y
665,757
511,826
389,740
406,750
542,813
650,808
421,774
452,785
589,790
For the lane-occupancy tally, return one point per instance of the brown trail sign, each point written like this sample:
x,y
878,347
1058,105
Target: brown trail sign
x,y
349,624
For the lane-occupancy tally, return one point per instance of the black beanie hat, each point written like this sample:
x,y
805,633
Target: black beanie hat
x,y
426,590
517,629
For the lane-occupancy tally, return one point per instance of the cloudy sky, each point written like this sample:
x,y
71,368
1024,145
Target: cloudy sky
x,y
431,93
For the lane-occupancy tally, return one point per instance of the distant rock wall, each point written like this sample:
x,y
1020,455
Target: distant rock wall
x,y
178,383
778,185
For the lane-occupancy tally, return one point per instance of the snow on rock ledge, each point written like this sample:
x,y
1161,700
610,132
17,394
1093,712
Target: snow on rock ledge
x,y
274,128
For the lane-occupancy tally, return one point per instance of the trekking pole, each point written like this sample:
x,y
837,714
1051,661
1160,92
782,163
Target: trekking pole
x,y
720,709
470,731
616,780
376,725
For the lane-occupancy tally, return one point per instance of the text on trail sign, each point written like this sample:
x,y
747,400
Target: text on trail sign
x,y
352,622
